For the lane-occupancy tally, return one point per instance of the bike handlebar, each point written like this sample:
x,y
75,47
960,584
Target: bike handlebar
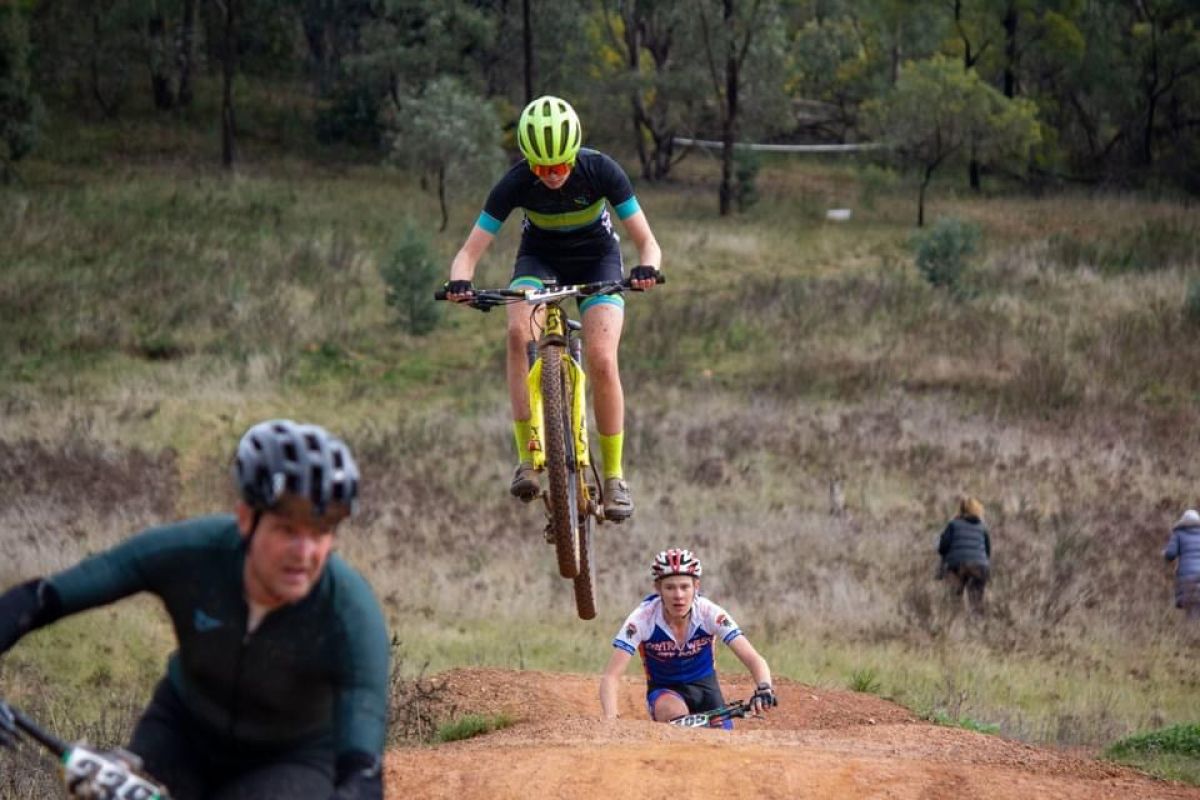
x,y
86,772
487,299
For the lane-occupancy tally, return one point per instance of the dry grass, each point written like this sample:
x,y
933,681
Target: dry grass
x,y
786,355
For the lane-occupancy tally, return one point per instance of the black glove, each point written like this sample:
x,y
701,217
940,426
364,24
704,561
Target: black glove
x,y
26,608
459,287
764,697
644,273
359,776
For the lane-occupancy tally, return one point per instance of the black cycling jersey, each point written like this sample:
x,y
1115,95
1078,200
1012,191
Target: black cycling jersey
x,y
313,671
571,220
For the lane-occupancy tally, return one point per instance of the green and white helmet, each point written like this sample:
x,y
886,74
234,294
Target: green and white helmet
x,y
549,132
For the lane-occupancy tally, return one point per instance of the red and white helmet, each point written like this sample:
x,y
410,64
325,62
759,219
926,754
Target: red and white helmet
x,y
676,561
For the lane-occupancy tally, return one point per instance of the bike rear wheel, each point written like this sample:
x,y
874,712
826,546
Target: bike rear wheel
x,y
562,497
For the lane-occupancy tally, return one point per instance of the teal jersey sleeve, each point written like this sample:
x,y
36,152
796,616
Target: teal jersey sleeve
x,y
360,709
145,562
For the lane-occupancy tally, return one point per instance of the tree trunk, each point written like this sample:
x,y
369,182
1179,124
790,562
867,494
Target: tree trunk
x,y
228,65
921,197
633,47
527,42
729,123
160,79
441,180
186,55
1011,18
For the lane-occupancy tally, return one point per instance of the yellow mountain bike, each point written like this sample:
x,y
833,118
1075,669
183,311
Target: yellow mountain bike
x,y
558,423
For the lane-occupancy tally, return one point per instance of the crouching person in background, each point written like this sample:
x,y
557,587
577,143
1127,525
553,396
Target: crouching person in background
x,y
966,551
1184,546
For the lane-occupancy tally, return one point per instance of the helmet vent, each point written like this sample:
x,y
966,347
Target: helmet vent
x,y
531,136
314,487
312,442
564,139
257,444
289,451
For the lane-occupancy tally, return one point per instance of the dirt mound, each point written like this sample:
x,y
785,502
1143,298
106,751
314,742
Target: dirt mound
x,y
818,744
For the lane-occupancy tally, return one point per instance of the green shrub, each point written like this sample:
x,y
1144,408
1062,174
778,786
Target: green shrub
x,y
944,251
411,274
472,725
1171,753
1178,739
865,680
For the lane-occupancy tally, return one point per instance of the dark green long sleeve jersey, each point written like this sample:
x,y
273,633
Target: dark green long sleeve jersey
x,y
317,669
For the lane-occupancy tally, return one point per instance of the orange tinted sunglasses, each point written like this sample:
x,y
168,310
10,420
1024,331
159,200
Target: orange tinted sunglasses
x,y
552,170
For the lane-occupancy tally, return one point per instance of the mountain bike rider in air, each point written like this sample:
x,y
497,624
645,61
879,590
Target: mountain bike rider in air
x,y
278,690
567,236
676,630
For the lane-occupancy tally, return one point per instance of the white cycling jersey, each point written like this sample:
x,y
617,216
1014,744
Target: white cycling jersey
x,y
666,660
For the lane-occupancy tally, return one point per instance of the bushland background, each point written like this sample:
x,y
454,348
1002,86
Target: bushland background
x,y
216,212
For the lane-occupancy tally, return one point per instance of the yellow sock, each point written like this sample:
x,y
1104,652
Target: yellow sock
x,y
521,434
610,451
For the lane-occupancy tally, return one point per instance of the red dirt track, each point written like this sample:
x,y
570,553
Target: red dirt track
x,y
817,744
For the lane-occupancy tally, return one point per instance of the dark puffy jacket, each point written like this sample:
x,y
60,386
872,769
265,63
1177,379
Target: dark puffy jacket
x,y
965,541
1184,545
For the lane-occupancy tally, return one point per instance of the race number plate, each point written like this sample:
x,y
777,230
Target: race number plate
x,y
94,776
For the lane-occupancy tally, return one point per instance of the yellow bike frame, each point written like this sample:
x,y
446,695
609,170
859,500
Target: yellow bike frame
x,y
574,387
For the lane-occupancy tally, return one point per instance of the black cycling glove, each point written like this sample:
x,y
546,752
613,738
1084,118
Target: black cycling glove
x,y
644,273
359,776
26,608
459,287
764,697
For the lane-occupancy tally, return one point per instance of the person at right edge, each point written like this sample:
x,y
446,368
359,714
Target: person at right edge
x,y
966,551
1184,545
567,237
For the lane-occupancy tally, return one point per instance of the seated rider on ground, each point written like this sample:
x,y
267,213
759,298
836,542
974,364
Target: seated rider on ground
x,y
675,630
567,236
278,690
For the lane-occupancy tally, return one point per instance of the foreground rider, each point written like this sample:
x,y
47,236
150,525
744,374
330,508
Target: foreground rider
x,y
676,630
279,687
567,237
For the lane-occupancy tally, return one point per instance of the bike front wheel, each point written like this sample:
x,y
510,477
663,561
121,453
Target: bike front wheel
x,y
585,587
563,495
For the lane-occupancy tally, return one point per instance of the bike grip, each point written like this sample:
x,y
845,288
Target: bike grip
x,y
440,294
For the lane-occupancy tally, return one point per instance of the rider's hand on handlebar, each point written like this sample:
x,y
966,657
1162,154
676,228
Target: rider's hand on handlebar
x,y
459,291
643,277
764,698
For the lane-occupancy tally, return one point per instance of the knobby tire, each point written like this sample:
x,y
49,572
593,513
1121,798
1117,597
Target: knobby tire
x,y
563,503
585,590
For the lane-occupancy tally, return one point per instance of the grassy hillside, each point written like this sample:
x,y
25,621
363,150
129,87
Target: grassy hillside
x,y
150,310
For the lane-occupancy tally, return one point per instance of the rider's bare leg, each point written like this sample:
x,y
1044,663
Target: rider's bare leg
x,y
602,325
668,706
520,332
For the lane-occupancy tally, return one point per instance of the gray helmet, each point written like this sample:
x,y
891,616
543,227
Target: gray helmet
x,y
297,470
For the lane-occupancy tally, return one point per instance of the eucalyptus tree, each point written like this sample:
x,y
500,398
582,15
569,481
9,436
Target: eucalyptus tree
x,y
657,73
742,43
938,114
449,133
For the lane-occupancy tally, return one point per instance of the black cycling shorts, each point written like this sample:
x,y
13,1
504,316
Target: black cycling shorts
x,y
197,764
702,695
